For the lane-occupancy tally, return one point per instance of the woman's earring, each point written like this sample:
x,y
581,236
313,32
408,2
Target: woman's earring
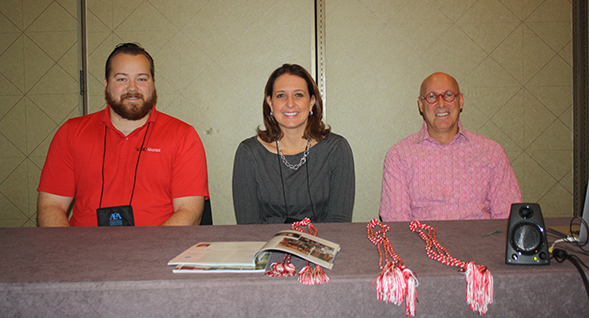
x,y
311,114
271,113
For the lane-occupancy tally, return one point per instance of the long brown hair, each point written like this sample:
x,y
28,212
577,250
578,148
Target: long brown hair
x,y
315,129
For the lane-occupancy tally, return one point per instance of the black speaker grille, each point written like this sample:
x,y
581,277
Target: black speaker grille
x,y
526,237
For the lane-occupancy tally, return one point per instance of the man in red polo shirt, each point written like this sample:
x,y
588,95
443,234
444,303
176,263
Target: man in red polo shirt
x,y
127,164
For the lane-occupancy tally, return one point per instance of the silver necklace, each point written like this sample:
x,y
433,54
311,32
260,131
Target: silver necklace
x,y
288,164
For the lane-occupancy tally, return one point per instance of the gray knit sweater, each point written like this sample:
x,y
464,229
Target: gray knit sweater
x,y
322,189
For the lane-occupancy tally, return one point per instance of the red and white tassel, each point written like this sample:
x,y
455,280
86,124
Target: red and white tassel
x,y
308,276
479,287
396,282
390,285
319,276
282,269
410,291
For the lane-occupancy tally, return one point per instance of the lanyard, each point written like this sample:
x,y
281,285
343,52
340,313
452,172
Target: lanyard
x,y
136,165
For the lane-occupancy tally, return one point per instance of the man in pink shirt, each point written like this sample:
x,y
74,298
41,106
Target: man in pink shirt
x,y
445,172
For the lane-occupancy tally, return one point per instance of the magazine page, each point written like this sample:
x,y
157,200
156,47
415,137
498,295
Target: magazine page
x,y
219,255
184,268
317,250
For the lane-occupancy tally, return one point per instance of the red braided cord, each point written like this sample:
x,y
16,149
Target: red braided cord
x,y
396,282
439,254
479,281
308,276
305,222
379,238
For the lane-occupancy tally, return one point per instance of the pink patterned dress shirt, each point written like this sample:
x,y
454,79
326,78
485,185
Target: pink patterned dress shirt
x,y
469,178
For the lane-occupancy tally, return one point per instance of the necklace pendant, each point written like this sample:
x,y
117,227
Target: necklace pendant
x,y
301,162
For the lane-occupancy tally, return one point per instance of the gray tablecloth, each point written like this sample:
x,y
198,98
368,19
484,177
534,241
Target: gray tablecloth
x,y
122,272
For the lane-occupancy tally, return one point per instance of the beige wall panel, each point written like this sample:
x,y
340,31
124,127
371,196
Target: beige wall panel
x,y
38,92
212,61
512,60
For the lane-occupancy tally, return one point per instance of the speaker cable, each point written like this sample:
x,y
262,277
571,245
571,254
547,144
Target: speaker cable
x,y
562,255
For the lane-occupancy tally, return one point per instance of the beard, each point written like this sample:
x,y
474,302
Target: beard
x,y
131,110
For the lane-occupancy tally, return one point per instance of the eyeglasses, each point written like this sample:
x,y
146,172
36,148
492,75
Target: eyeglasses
x,y
432,97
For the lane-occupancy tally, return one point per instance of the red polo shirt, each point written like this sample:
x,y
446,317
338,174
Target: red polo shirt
x,y
172,165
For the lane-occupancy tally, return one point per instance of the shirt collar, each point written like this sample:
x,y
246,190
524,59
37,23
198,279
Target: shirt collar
x,y
423,134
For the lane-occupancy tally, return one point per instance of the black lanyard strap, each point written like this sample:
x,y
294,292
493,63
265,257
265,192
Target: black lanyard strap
x,y
136,165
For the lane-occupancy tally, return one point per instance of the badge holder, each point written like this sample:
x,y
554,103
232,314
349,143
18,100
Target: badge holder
x,y
115,216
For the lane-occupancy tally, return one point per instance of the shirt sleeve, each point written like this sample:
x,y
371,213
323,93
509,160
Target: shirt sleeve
x,y
57,176
189,171
245,198
504,188
342,187
395,203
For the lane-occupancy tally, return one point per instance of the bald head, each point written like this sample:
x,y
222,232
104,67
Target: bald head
x,y
440,115
439,78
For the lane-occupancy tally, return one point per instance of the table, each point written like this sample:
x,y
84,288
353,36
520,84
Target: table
x,y
122,272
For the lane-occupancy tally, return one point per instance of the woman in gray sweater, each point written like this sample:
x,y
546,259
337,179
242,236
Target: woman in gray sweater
x,y
296,167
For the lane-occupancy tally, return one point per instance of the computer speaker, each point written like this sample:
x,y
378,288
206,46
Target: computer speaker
x,y
526,236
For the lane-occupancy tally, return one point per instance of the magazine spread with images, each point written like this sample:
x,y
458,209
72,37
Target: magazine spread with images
x,y
253,256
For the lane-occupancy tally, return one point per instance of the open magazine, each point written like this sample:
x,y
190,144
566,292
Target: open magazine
x,y
253,256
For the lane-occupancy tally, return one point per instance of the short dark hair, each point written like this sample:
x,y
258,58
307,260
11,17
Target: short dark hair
x,y
315,129
130,49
